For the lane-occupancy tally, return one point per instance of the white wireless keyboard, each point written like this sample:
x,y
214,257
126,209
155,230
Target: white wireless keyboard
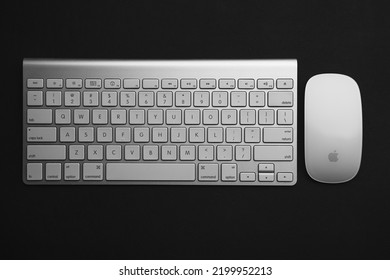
x,y
227,122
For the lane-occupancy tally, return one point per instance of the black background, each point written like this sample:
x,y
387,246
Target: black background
x,y
307,221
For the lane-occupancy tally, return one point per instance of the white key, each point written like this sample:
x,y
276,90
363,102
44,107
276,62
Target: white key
x,y
141,134
196,135
76,152
63,116
128,98
122,134
278,135
95,152
229,172
41,134
112,83
188,83
150,152
173,117
266,117
210,117
273,153
72,98
132,152
192,116
285,177
252,134
81,116
159,134
67,134
93,171
215,134
183,98
169,83
53,171
246,83
137,116
93,83
168,153
187,152
247,116
227,83
247,177
131,83
229,117
46,152
146,98
72,171
238,98
34,171
256,99
205,152
164,98
118,117
266,167
224,152
90,98
150,83
201,99
39,116
265,83
86,134
220,98
104,134
208,172
34,98
280,98
243,153
266,177
178,134
208,83
99,117
285,117
284,83
233,135
53,98
155,116
74,83
109,99
35,83
150,172
114,152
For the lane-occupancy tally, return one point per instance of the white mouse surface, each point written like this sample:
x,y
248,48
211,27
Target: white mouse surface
x,y
333,128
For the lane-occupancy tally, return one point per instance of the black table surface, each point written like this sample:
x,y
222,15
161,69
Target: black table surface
x,y
307,221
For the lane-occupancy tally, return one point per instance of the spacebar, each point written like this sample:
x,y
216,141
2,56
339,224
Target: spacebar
x,y
150,172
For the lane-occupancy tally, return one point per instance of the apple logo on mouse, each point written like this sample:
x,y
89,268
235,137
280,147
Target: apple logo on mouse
x,y
333,156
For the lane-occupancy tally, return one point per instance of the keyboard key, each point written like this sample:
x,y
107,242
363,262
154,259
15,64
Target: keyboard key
x,y
252,135
247,177
168,153
150,172
266,117
164,99
229,172
208,172
285,177
187,153
81,116
67,134
53,171
224,152
132,152
72,98
112,83
93,83
99,117
285,117
54,83
243,153
34,98
227,83
178,134
131,83
34,171
39,116
76,152
91,98
192,117
208,83
205,152
265,83
220,98
284,83
136,116
53,98
188,83
46,152
95,152
280,98
114,152
150,152
266,177
246,83
210,117
266,167
127,98
201,99
277,135
34,83
256,99
273,153
74,83
109,99
229,117
63,116
93,171
146,98
150,83
238,99
247,117
141,135
41,134
173,117
169,83
72,171
118,116
183,98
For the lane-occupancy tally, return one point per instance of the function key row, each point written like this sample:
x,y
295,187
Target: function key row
x,y
165,83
